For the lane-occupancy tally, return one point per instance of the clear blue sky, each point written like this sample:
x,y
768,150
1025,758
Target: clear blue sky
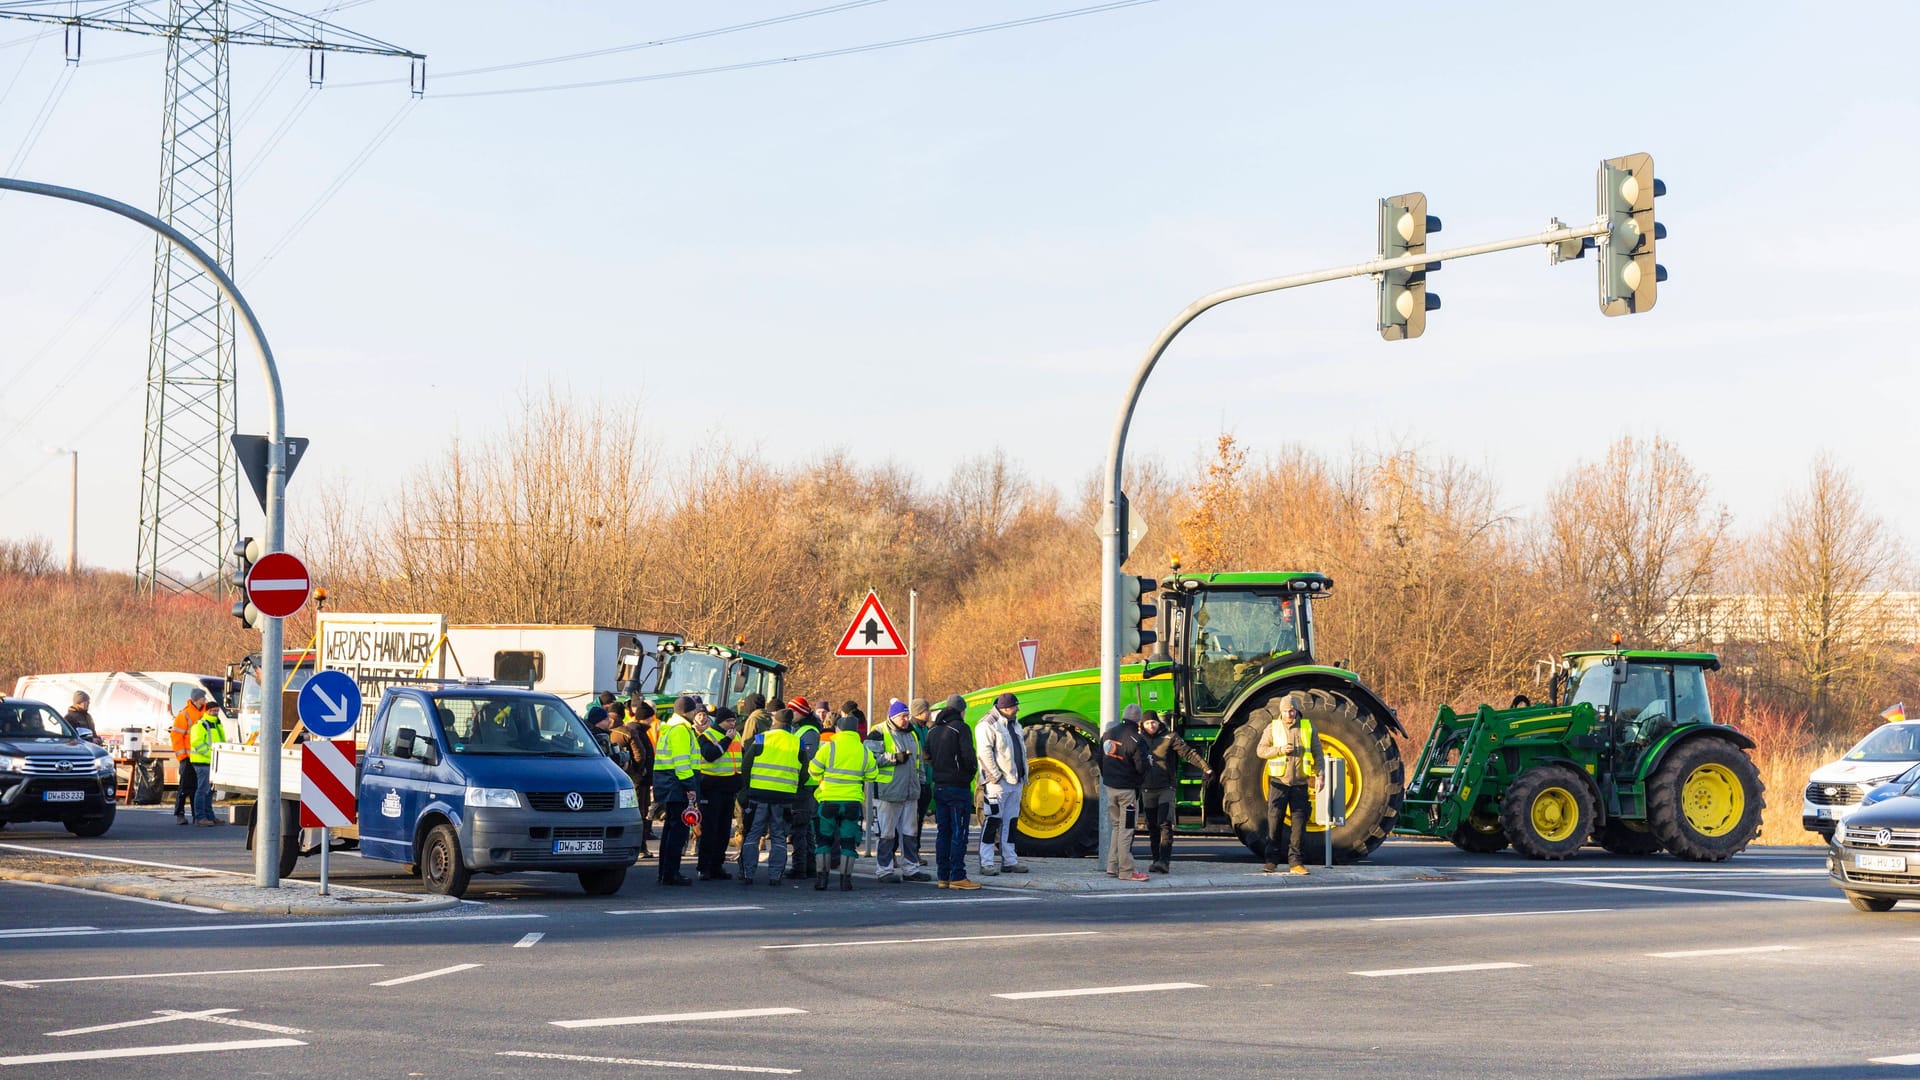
x,y
920,253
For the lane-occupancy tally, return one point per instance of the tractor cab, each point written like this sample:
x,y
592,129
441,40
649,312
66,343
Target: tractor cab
x,y
1227,631
1637,697
716,674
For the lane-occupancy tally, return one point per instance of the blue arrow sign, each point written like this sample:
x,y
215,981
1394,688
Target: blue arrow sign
x,y
329,704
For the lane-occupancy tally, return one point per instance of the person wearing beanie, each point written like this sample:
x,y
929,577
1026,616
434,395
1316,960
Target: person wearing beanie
x,y
1123,768
920,714
773,765
841,770
800,837
720,786
896,793
950,760
1165,752
754,708
676,784
1001,749
640,722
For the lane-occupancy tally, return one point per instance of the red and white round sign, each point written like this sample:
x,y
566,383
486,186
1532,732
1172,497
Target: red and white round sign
x,y
277,585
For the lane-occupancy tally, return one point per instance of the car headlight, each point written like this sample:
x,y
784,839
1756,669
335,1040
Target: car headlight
x,y
629,799
493,796
105,765
13,764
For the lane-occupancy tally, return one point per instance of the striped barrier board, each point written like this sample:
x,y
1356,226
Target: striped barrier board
x,y
327,799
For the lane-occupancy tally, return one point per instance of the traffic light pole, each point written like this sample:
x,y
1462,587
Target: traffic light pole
x,y
1113,544
266,847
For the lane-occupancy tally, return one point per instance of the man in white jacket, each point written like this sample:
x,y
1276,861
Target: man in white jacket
x,y
1002,751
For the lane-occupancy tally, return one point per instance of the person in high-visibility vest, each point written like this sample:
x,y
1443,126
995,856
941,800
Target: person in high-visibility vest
x,y
676,783
896,795
207,730
719,786
773,763
807,726
1296,765
182,733
842,768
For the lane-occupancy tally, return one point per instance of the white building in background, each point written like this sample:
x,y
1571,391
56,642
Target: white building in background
x,y
1878,618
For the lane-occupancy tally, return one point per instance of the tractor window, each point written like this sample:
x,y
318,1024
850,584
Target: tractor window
x,y
1233,635
1690,696
695,673
748,679
1646,701
1590,684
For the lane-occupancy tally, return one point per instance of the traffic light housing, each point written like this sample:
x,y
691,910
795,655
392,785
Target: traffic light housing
x,y
246,552
1137,606
1404,300
1629,276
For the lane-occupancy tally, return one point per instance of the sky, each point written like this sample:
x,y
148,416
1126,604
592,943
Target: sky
x,y
916,254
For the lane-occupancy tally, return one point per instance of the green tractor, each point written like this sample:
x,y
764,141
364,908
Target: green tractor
x,y
1231,645
1627,754
716,674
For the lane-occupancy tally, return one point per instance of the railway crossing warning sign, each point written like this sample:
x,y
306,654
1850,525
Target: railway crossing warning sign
x,y
871,633
327,799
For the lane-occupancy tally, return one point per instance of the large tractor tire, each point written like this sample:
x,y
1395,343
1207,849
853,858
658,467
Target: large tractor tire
x,y
1060,802
1376,778
1627,838
1481,834
1548,812
1704,801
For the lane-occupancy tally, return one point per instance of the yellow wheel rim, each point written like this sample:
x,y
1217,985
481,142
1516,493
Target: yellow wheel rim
x,y
1356,779
1555,814
1713,800
1051,800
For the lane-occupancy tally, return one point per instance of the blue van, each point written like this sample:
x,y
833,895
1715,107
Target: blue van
x,y
464,779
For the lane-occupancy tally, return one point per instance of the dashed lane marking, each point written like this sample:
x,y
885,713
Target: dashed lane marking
x,y
675,1018
1735,893
40,931
1736,951
148,1051
1090,991
28,984
529,941
1489,914
88,931
928,940
686,910
701,1065
434,974
1384,972
1901,1059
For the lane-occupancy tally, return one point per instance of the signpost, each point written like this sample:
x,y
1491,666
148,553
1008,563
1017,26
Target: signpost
x,y
871,634
277,585
329,704
327,799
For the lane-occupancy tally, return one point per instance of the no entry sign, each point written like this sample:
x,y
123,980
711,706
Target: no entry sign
x,y
327,799
277,585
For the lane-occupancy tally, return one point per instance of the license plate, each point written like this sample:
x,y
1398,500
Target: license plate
x,y
1822,812
1896,863
579,847
65,796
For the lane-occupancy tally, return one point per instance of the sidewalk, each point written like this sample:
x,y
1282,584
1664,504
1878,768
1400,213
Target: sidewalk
x,y
1085,875
213,889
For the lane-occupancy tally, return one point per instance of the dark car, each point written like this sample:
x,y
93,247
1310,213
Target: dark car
x,y
48,773
1875,853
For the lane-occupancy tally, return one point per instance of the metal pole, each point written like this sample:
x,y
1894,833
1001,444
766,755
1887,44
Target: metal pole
x,y
326,837
913,610
1111,541
266,849
873,824
73,518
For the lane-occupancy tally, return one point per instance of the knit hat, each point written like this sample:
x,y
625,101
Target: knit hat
x,y
919,709
955,701
896,707
642,710
1131,712
1006,701
684,705
799,704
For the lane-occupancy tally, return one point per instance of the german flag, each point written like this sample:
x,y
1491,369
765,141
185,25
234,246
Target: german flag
x,y
1895,713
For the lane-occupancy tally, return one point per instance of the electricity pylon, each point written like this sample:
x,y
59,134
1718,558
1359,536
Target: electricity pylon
x,y
189,479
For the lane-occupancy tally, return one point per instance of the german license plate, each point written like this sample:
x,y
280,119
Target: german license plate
x,y
579,847
65,796
1895,863
1822,812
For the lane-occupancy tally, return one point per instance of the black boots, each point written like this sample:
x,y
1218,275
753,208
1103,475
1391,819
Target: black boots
x,y
846,875
820,880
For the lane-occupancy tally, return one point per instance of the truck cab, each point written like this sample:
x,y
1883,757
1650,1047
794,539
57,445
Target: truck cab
x,y
716,674
476,778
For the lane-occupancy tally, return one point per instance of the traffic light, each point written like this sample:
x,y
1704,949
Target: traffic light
x,y
1137,606
246,552
1628,273
1404,300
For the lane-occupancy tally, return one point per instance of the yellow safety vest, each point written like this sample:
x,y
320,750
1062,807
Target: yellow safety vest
x,y
886,767
675,753
1277,766
728,763
842,767
204,735
807,779
777,766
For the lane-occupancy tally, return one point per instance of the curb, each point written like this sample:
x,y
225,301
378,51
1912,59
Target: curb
x,y
295,905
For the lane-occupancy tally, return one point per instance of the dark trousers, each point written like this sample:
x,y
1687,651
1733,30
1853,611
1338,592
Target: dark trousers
x,y
718,795
183,793
673,839
952,807
801,838
1156,816
926,798
1284,801
771,821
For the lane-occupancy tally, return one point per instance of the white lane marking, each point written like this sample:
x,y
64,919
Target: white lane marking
x,y
35,931
1251,889
644,1061
925,940
161,1016
317,924
686,910
1090,991
1436,970
1683,954
232,1022
179,866
529,941
149,1051
1592,884
975,900
435,973
1902,1059
117,896
674,1018
1489,914
28,984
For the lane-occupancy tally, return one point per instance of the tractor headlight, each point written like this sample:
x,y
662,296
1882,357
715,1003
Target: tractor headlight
x,y
504,797
629,799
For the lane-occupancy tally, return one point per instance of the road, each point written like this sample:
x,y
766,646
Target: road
x,y
1599,967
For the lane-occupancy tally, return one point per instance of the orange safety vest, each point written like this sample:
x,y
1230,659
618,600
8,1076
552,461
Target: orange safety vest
x,y
182,729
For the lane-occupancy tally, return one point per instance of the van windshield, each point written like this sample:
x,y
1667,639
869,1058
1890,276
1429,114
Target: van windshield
x,y
516,725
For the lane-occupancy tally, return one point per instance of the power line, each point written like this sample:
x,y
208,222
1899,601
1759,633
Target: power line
x,y
326,195
823,54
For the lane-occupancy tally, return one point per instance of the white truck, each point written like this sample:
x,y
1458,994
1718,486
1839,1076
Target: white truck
x,y
132,711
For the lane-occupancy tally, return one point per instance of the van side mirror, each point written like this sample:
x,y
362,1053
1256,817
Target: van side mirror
x,y
427,749
403,742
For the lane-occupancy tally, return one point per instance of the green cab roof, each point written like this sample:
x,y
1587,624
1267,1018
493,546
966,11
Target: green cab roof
x,y
1307,581
729,652
1704,659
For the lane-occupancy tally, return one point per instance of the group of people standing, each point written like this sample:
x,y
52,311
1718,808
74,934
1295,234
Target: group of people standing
x,y
196,727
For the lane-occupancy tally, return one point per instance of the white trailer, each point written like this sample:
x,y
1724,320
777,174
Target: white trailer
x,y
570,662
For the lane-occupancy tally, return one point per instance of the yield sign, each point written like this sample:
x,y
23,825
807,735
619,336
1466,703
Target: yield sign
x,y
277,585
872,633
1029,652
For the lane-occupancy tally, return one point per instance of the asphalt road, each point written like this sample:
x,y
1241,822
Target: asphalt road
x,y
1601,966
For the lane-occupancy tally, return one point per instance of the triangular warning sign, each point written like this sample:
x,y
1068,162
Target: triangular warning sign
x,y
872,633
